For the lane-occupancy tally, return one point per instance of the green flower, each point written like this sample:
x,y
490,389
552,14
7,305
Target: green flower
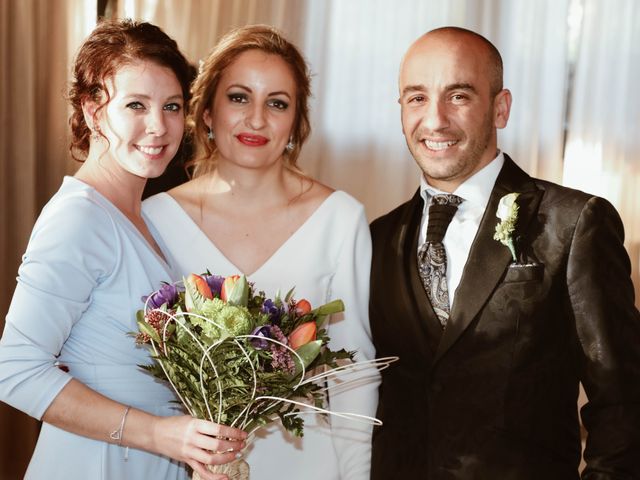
x,y
230,320
508,213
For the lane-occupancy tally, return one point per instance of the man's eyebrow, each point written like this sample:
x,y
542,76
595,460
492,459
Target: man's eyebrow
x,y
413,88
454,86
461,86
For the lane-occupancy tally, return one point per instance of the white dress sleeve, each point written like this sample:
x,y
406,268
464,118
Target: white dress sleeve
x,y
350,330
71,249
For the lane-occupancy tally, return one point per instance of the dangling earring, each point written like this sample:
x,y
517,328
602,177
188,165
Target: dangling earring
x,y
95,134
210,135
290,146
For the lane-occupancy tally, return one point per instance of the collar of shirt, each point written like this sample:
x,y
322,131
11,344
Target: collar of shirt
x,y
475,191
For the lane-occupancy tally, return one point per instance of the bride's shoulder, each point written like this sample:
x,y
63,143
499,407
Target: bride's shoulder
x,y
307,190
187,195
319,193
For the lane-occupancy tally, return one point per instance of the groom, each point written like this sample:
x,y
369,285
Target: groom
x,y
494,335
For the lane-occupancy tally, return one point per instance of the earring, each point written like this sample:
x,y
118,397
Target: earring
x,y
95,134
211,135
290,146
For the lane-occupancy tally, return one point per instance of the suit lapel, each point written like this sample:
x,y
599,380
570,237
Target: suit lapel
x,y
488,259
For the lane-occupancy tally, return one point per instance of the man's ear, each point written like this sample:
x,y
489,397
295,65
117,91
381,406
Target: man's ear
x,y
501,108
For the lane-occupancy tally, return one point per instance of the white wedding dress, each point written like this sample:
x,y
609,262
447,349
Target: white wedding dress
x,y
327,258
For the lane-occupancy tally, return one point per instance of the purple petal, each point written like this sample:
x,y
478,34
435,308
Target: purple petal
x,y
166,294
270,308
263,332
215,283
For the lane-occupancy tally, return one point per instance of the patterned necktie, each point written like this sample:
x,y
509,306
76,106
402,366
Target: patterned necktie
x,y
432,258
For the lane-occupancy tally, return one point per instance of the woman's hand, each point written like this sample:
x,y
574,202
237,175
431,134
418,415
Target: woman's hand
x,y
197,443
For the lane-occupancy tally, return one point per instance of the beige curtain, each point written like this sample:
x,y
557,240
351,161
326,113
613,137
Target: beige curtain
x,y
603,146
36,41
197,24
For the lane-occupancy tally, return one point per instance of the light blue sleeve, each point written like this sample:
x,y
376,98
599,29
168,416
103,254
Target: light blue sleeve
x,y
71,250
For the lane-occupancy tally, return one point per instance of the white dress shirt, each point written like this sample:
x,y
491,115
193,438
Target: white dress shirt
x,y
463,227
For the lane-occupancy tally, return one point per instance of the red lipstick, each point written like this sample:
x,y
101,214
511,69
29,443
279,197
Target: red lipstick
x,y
252,140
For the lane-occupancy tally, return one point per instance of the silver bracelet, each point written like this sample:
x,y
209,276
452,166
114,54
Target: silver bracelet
x,y
117,434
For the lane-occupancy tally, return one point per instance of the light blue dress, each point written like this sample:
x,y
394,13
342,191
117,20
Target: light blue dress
x,y
80,283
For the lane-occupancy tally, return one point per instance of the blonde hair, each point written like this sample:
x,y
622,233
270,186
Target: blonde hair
x,y
252,37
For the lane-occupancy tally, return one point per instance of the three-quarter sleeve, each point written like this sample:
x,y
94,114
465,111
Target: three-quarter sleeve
x,y
71,250
352,439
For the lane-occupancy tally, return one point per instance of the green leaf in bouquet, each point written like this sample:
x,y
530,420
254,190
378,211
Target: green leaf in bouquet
x,y
181,356
188,386
289,295
193,299
288,323
323,335
335,306
169,330
156,370
181,333
330,358
147,329
308,353
255,301
292,422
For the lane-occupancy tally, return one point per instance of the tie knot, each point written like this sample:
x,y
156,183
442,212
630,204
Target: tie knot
x,y
442,208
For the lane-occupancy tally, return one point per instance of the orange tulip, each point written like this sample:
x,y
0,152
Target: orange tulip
x,y
201,285
302,307
302,335
227,286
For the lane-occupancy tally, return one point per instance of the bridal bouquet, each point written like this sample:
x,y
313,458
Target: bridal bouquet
x,y
238,358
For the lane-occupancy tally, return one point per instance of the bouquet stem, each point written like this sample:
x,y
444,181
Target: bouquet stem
x,y
236,470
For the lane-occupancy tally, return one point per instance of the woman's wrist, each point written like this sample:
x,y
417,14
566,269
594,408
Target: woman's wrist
x,y
138,431
117,434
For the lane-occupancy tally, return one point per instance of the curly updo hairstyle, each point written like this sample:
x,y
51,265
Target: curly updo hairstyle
x,y
252,37
112,45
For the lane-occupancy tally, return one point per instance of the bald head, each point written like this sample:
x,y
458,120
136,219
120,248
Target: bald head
x,y
452,102
473,43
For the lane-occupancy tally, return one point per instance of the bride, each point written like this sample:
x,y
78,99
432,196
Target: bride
x,y
250,209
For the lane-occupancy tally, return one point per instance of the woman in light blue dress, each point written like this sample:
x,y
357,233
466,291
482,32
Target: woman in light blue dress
x,y
65,354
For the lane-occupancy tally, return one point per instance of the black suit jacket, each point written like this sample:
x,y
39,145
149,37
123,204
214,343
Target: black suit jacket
x,y
493,396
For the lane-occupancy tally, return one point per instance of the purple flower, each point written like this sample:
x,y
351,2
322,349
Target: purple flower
x,y
215,283
280,356
262,332
274,312
166,294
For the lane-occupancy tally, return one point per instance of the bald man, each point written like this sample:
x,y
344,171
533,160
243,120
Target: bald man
x,y
495,330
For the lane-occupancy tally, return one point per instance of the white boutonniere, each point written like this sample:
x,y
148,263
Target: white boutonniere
x,y
508,213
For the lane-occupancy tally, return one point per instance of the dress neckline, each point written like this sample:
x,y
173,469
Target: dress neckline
x,y
129,224
306,225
